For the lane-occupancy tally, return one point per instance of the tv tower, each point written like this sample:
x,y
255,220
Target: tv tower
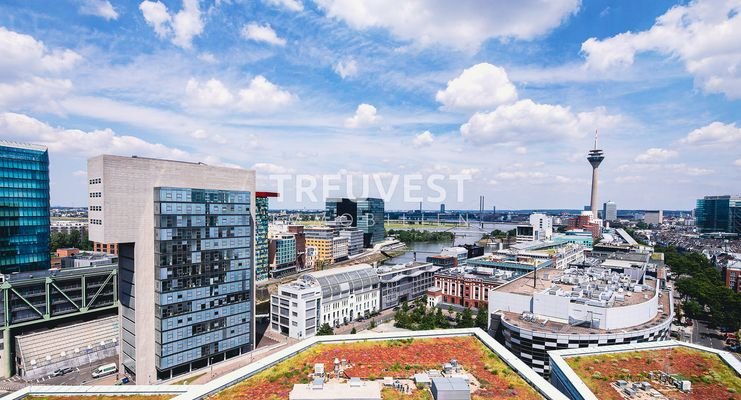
x,y
595,158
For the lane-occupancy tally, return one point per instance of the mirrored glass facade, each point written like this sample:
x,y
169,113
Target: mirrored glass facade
x,y
203,252
24,208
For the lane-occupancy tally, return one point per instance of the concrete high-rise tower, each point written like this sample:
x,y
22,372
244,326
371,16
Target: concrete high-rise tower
x,y
595,158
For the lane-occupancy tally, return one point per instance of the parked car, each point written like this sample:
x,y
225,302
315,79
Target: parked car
x,y
63,371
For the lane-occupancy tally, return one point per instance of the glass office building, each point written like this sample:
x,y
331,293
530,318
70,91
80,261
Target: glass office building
x,y
262,221
718,214
365,214
203,250
24,208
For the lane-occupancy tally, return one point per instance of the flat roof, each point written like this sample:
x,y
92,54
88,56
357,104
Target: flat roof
x,y
20,145
374,361
367,390
578,367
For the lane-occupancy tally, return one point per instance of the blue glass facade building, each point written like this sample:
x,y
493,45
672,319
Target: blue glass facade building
x,y
24,208
366,214
203,254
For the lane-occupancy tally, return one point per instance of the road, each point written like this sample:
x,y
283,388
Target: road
x,y
706,336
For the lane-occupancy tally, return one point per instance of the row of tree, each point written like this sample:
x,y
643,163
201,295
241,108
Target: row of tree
x,y
414,235
59,240
703,289
419,317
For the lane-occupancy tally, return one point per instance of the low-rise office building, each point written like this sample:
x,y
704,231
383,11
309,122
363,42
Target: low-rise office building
x,y
468,286
354,240
404,282
321,239
339,248
67,226
443,261
460,253
335,297
282,255
579,307
110,248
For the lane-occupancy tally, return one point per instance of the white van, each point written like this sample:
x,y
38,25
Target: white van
x,y
104,370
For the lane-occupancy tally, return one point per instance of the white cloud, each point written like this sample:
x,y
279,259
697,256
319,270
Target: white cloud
x,y
268,168
180,28
201,134
346,68
704,35
74,141
211,93
737,162
364,115
521,150
520,175
98,8
481,87
263,95
259,96
22,55
292,5
656,155
462,24
714,134
31,74
527,121
423,139
262,33
207,57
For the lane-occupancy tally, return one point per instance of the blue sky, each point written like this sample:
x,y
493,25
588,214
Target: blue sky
x,y
506,93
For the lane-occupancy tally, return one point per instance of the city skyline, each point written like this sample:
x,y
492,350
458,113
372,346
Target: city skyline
x,y
322,88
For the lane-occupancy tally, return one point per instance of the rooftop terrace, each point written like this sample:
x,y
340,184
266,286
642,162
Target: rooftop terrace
x,y
657,370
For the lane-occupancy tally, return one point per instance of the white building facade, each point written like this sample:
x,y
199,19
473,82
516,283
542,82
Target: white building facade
x,y
335,297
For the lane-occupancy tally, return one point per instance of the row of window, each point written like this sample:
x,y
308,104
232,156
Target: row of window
x,y
95,181
96,194
27,165
24,184
96,221
96,208
24,194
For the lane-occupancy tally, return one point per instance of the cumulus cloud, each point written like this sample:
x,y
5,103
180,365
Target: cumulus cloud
x,y
98,8
211,93
292,5
481,87
714,134
462,24
180,27
704,35
526,121
365,115
346,68
262,33
737,162
260,95
32,74
423,139
75,141
263,95
655,155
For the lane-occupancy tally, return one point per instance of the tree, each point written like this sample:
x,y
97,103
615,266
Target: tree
x,y
440,321
325,330
482,320
372,324
466,319
353,331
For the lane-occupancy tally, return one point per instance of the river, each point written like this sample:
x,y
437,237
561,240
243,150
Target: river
x,y
463,235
